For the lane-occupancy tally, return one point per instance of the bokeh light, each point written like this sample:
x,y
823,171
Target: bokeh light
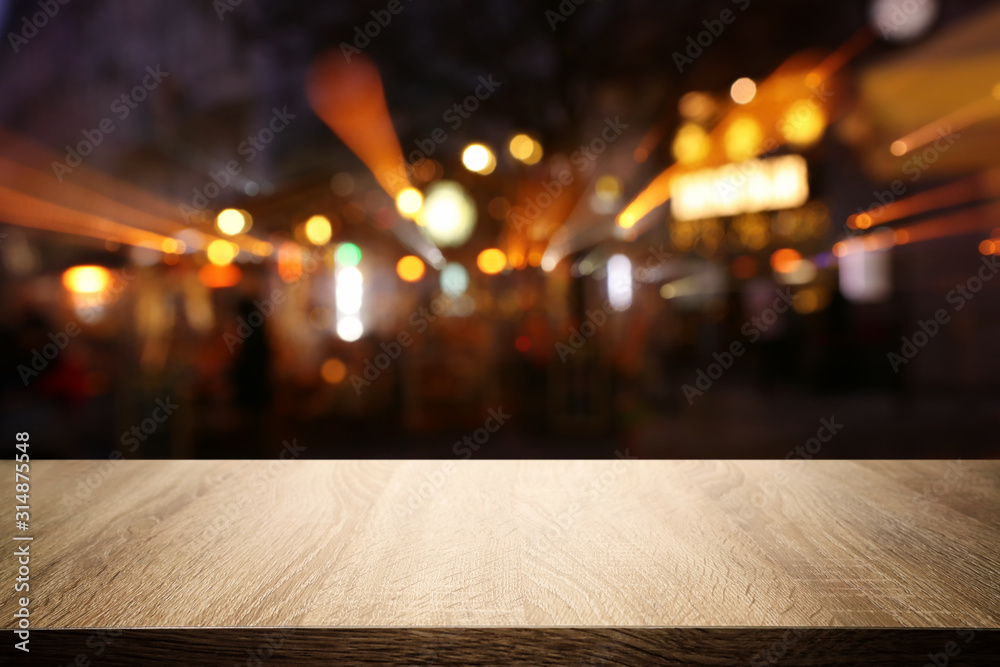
x,y
491,261
318,230
333,371
524,148
221,252
348,254
410,268
479,159
86,279
691,145
448,214
743,90
232,221
409,201
454,279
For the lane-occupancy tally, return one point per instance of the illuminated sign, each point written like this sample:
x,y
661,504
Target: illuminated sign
x,y
746,187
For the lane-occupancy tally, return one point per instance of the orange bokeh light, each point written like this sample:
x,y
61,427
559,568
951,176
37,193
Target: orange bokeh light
x,y
491,261
785,260
410,268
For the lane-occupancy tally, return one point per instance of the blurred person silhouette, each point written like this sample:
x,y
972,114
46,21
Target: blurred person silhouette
x,y
253,384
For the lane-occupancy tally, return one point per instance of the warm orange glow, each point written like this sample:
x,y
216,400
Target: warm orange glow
x,y
410,268
217,277
785,260
626,220
839,249
863,221
987,247
333,371
901,236
289,261
523,343
898,148
86,279
491,261
348,96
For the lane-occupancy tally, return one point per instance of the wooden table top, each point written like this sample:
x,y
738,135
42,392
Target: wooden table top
x,y
513,544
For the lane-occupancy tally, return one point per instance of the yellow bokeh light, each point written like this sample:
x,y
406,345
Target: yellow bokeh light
x,y
521,146
221,252
169,245
479,159
86,279
410,268
524,148
743,90
491,261
743,138
691,144
409,201
804,123
333,371
626,221
608,187
318,230
232,222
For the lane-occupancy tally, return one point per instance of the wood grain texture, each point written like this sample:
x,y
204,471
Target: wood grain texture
x,y
366,546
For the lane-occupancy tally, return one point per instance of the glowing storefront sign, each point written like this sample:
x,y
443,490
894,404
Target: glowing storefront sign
x,y
746,187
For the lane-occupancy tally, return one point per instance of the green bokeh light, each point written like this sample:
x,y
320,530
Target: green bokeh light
x,y
348,254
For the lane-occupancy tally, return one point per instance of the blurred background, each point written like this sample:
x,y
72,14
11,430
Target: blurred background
x,y
574,229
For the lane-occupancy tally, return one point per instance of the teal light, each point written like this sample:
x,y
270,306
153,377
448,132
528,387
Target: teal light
x,y
348,254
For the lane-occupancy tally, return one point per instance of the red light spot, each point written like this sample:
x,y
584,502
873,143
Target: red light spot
x,y
523,343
